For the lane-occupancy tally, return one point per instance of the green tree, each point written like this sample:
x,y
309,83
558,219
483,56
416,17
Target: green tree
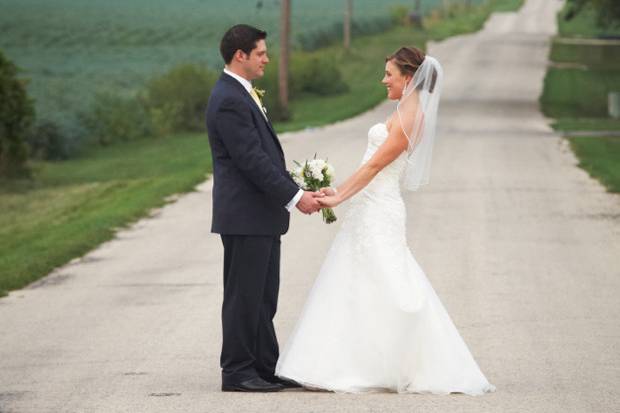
x,y
608,11
16,117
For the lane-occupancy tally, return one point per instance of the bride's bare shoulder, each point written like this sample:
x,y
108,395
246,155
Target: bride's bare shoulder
x,y
390,121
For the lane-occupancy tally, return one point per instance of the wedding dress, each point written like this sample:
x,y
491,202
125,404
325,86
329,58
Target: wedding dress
x,y
372,321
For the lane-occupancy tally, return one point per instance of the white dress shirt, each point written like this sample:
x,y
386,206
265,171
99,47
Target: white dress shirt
x,y
248,86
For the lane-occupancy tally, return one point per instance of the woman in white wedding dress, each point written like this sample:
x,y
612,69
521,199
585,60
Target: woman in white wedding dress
x,y
372,321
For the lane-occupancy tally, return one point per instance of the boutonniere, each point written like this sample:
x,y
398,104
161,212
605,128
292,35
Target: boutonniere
x,y
260,93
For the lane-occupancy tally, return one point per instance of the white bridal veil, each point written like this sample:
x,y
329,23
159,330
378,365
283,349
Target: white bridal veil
x,y
417,111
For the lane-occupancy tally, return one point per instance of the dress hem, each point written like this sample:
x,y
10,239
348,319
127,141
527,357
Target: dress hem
x,y
379,389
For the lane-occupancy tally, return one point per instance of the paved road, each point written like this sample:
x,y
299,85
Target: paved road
x,y
520,244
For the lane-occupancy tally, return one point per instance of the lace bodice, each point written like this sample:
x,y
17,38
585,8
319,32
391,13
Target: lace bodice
x,y
377,212
388,178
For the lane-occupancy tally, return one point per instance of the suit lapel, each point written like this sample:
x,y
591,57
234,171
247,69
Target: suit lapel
x,y
254,106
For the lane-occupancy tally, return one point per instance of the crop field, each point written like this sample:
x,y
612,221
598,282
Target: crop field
x,y
70,49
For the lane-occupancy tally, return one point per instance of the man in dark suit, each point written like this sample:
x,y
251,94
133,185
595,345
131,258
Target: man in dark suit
x,y
252,196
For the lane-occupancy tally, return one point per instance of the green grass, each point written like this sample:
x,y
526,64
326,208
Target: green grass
x,y
600,157
598,57
586,124
70,207
575,94
363,67
71,49
578,92
462,20
578,85
583,25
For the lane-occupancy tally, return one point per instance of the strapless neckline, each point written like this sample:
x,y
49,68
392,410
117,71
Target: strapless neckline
x,y
378,124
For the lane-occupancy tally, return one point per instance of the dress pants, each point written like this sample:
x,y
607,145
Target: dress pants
x,y
251,285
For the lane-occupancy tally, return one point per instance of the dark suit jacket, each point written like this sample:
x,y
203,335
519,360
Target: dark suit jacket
x,y
251,185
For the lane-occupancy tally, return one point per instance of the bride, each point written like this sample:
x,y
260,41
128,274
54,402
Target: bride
x,y
372,321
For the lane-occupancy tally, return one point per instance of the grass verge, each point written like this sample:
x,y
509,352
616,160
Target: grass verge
x,y
600,158
575,94
71,207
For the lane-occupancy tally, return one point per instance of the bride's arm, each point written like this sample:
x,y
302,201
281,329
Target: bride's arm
x,y
394,145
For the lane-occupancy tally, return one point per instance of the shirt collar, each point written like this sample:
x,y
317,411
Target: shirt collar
x,y
244,82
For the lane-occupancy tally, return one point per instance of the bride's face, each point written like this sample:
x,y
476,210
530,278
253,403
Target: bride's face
x,y
394,81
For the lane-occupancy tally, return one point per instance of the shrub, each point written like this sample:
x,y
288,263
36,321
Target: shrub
x,y
315,74
113,117
16,116
178,99
400,15
317,39
307,74
47,141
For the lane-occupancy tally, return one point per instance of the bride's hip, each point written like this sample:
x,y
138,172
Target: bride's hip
x,y
373,200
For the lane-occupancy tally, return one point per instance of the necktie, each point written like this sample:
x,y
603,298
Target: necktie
x,y
257,99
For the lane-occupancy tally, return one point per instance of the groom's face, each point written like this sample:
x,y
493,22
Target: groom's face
x,y
254,63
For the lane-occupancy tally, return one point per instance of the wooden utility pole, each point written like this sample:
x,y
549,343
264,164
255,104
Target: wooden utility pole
x,y
348,13
285,30
416,17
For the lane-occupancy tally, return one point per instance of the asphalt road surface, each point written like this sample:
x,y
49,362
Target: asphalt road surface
x,y
522,247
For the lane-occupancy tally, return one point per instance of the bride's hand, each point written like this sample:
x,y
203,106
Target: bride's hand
x,y
328,191
329,201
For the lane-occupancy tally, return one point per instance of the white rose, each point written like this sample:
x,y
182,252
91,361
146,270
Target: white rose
x,y
317,175
330,170
320,163
316,171
299,180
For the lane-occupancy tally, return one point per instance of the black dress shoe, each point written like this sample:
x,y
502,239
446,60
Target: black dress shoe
x,y
253,385
285,383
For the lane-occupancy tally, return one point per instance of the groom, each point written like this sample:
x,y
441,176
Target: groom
x,y
252,196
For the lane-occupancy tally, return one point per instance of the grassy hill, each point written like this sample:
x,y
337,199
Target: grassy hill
x,y
71,49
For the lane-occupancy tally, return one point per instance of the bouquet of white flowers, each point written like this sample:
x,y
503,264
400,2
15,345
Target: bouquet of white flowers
x,y
312,176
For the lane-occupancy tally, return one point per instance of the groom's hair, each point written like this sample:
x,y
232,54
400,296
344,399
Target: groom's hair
x,y
240,37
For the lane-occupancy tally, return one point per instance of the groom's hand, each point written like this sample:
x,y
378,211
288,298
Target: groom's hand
x,y
308,203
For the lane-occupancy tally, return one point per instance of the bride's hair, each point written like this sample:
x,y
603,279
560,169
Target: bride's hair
x,y
408,59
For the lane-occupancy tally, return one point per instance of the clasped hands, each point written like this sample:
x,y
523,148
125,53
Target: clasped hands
x,y
312,202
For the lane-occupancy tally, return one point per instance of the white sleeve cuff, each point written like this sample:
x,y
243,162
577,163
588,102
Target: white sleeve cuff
x,y
295,200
